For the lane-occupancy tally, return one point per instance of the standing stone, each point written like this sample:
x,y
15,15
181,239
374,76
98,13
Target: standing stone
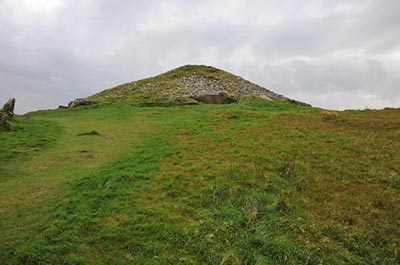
x,y
3,122
8,108
7,113
3,118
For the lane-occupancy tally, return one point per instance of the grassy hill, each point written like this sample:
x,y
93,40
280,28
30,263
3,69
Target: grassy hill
x,y
253,182
182,86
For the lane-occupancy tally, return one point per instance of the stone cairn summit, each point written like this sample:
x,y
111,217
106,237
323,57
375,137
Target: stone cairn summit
x,y
211,85
189,84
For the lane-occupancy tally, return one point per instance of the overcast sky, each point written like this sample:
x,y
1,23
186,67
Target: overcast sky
x,y
331,53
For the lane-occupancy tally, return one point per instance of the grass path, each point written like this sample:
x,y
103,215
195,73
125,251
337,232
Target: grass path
x,y
38,179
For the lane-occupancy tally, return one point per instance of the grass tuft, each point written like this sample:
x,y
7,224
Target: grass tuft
x,y
91,133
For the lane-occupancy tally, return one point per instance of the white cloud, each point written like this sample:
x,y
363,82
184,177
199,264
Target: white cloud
x,y
39,5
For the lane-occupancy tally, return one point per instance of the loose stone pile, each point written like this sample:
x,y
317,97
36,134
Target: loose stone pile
x,y
237,88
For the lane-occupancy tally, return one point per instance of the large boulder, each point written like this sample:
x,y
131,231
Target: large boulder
x,y
80,102
220,98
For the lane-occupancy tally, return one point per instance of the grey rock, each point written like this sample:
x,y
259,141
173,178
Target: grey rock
x,y
265,97
80,102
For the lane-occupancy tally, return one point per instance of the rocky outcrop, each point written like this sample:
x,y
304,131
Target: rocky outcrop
x,y
80,102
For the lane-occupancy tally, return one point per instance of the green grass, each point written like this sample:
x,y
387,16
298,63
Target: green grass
x,y
255,182
26,138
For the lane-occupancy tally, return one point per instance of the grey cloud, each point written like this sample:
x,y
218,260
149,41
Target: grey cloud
x,y
334,54
351,84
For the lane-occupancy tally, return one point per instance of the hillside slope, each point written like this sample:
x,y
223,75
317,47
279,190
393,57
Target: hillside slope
x,y
255,182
